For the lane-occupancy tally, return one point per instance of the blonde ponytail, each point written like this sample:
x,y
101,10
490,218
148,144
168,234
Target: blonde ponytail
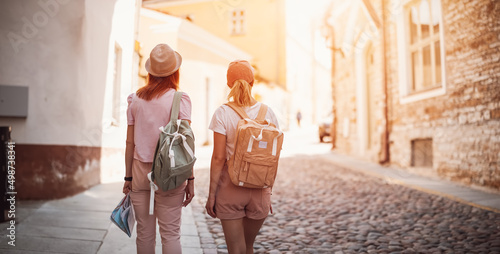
x,y
241,93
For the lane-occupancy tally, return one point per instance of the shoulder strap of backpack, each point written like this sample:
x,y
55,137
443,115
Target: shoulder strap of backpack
x,y
260,116
238,110
262,112
176,104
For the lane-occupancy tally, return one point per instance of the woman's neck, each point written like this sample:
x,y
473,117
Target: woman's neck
x,y
253,102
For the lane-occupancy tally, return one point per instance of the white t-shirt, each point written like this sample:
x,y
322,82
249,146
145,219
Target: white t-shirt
x,y
225,120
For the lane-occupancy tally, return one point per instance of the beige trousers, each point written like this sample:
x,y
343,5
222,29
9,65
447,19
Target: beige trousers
x,y
168,208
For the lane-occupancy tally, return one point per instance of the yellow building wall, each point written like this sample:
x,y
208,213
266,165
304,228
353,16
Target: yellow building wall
x,y
265,34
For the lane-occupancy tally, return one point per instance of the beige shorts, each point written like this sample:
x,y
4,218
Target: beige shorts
x,y
234,202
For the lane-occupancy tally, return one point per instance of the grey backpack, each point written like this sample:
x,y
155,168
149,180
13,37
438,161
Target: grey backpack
x,y
174,155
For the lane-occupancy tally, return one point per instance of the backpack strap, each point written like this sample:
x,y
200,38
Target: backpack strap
x,y
176,104
262,112
239,110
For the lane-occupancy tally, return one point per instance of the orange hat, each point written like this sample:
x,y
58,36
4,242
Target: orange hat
x,y
239,69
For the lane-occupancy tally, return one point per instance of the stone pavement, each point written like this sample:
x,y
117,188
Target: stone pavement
x,y
343,211
81,224
485,199
320,207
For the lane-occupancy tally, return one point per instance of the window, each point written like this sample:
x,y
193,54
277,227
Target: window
x,y
420,41
237,22
112,91
423,23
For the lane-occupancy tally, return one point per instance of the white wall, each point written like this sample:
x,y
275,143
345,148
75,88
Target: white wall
x,y
114,131
60,50
64,52
122,36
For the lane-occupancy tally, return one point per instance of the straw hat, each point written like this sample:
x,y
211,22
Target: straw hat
x,y
163,61
239,69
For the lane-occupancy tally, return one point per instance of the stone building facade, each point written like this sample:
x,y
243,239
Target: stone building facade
x,y
416,84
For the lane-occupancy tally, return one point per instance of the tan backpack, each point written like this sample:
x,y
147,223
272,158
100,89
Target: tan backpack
x,y
257,148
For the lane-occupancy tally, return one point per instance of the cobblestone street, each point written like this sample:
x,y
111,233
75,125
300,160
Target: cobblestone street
x,y
321,208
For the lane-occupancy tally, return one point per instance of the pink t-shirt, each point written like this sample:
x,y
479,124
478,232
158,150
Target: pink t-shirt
x,y
225,121
148,116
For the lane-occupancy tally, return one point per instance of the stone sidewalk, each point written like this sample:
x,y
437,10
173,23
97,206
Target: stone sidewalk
x,y
485,199
81,224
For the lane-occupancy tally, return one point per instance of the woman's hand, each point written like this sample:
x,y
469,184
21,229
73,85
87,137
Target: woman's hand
x,y
210,207
189,193
127,187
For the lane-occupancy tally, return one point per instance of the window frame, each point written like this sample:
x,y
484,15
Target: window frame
x,y
233,28
405,48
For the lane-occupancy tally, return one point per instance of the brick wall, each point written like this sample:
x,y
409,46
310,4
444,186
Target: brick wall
x,y
464,123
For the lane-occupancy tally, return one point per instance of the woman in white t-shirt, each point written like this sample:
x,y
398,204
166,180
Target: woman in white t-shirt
x,y
148,109
242,211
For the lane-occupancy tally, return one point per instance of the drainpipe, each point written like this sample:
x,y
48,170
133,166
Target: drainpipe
x,y
385,152
329,34
331,37
333,129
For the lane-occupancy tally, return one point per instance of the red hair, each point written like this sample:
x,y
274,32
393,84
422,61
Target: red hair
x,y
157,86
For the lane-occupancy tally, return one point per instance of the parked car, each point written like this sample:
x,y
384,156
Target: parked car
x,y
324,128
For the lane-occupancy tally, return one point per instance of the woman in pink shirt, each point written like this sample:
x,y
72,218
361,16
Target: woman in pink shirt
x,y
148,109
